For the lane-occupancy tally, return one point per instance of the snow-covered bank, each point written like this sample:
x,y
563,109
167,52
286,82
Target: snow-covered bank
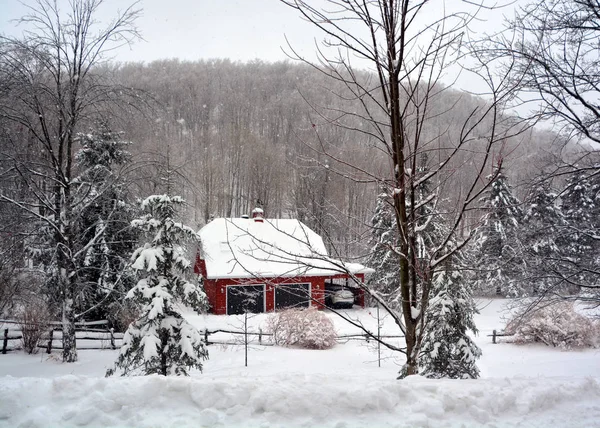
x,y
288,401
521,386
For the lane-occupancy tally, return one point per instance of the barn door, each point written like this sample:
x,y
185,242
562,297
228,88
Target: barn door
x,y
292,296
245,298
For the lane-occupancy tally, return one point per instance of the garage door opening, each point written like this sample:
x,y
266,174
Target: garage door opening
x,y
292,296
245,298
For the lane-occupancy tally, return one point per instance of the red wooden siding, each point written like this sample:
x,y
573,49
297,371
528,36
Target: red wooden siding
x,y
216,289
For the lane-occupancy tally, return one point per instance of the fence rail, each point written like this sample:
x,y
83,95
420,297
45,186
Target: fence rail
x,y
50,340
495,335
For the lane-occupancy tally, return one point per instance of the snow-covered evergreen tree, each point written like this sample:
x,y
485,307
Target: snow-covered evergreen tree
x,y
581,208
104,221
427,231
160,340
542,226
447,350
382,258
497,256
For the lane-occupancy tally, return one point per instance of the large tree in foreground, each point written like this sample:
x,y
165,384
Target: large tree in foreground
x,y
50,90
160,340
408,45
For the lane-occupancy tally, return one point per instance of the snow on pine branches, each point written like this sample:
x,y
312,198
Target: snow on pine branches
x,y
447,350
497,249
160,340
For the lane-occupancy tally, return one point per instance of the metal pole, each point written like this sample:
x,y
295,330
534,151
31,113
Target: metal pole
x,y
378,337
245,339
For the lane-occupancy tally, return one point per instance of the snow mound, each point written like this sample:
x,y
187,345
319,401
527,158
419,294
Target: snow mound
x,y
297,400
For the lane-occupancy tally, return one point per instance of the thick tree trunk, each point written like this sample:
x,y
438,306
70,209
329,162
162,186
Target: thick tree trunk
x,y
164,337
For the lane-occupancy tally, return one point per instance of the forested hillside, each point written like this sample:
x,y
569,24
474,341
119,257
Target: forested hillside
x,y
241,134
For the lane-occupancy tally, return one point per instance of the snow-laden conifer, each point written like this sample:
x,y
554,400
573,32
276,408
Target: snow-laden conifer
x,y
580,239
447,350
160,340
383,257
497,256
543,224
104,219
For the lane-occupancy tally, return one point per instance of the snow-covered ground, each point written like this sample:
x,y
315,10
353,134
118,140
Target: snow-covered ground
x,y
521,386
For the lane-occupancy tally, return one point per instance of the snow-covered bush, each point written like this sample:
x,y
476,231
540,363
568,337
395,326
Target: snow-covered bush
x,y
558,324
160,340
33,321
304,328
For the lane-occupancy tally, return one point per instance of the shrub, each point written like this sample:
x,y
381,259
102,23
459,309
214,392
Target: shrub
x,y
33,320
120,315
557,324
304,328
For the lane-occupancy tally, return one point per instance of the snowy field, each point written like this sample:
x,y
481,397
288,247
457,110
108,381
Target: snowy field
x,y
521,386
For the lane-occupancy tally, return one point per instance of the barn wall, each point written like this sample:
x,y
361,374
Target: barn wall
x,y
216,290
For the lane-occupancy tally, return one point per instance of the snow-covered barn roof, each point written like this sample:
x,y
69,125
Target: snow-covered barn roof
x,y
245,248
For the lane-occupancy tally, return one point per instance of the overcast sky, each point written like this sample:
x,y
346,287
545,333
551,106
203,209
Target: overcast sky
x,y
193,29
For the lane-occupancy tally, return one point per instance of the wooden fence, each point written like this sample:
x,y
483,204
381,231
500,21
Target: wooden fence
x,y
109,339
495,336
87,335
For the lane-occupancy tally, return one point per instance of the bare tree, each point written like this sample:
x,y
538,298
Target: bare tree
x,y
51,90
397,113
554,46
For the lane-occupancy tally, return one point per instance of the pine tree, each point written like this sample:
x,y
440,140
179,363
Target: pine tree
x,y
447,350
542,225
497,255
581,208
160,340
383,258
105,220
427,233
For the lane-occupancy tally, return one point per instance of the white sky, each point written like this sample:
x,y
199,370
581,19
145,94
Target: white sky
x,y
194,29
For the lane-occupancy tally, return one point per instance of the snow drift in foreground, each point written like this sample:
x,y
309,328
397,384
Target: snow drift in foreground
x,y
297,400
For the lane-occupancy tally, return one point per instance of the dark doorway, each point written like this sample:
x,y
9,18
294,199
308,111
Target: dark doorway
x,y
246,298
292,296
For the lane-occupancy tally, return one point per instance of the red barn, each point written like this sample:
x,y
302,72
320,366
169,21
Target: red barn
x,y
260,265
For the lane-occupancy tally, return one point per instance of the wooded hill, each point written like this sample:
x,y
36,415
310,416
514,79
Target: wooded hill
x,y
238,134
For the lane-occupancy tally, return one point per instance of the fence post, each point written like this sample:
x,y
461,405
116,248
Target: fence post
x,y
493,336
49,347
260,336
206,337
5,341
112,338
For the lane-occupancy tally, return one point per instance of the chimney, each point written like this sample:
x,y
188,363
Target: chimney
x,y
258,215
